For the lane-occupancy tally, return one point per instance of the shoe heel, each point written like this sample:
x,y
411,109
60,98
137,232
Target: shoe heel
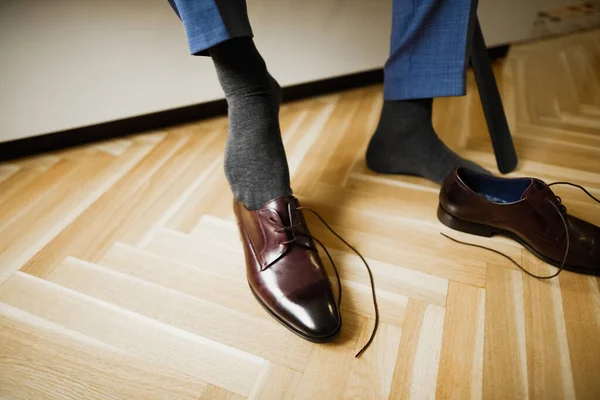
x,y
464,226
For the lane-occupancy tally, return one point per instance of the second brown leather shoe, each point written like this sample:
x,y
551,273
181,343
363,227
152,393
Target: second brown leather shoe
x,y
524,209
284,270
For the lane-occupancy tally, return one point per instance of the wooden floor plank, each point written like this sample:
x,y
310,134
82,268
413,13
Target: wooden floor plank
x,y
29,233
352,145
170,186
69,366
262,337
42,162
277,383
216,393
418,358
505,352
376,366
35,191
206,360
89,235
16,182
7,170
461,359
327,372
200,200
229,291
581,312
305,179
548,363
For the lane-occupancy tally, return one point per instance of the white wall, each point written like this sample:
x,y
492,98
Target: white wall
x,y
71,63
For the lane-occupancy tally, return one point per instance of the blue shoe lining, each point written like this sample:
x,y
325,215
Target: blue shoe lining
x,y
496,190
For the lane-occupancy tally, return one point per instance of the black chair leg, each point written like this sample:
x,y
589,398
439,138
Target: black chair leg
x,y
504,149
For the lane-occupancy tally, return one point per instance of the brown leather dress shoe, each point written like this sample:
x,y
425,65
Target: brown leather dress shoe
x,y
524,209
284,270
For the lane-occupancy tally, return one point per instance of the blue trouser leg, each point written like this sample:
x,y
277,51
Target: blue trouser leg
x,y
210,22
428,52
429,48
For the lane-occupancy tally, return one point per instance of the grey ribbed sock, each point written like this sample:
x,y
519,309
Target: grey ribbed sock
x,y
255,162
405,143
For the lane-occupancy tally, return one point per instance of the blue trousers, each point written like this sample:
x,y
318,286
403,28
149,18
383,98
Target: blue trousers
x,y
429,48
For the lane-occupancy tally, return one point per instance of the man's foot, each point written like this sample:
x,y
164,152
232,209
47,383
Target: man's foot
x,y
406,143
284,270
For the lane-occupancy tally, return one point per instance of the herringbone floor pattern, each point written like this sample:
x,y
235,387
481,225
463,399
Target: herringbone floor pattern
x,y
122,275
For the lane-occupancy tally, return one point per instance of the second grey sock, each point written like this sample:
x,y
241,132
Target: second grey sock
x,y
255,162
406,143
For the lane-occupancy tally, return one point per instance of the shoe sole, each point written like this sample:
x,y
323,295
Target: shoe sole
x,y
325,339
488,231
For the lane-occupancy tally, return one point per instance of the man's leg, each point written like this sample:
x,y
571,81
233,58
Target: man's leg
x,y
255,161
283,267
428,58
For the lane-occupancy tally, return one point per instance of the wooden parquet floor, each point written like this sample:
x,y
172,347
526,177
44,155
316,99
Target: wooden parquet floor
x,y
122,275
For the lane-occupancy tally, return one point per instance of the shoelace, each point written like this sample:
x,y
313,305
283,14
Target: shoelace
x,y
293,229
561,210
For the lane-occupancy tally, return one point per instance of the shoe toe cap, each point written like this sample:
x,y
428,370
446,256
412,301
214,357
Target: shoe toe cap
x,y
316,318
